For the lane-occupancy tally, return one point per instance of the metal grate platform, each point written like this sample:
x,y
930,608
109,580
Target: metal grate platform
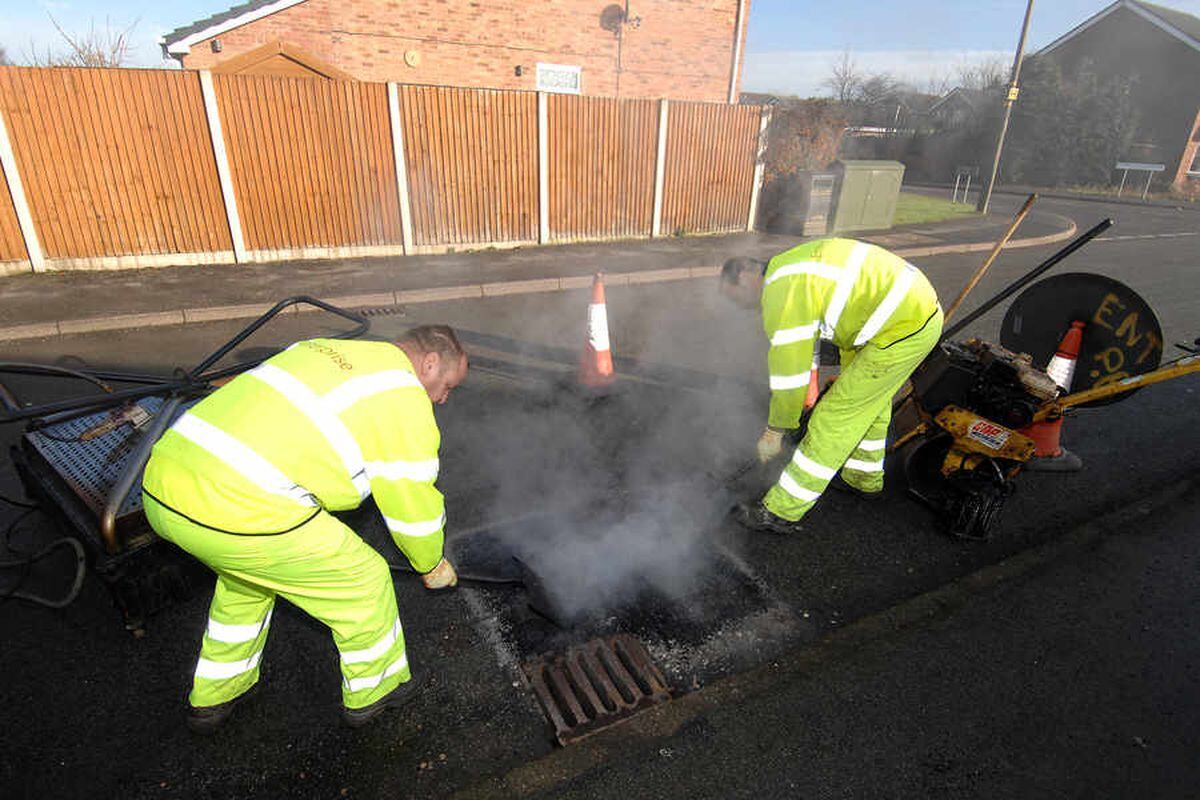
x,y
595,685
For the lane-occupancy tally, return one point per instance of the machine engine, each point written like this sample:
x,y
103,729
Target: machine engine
x,y
985,378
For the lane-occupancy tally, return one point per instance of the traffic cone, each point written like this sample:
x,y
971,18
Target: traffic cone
x,y
596,366
1049,454
814,378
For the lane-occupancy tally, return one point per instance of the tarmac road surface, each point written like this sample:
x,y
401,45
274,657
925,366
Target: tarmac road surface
x,y
1078,679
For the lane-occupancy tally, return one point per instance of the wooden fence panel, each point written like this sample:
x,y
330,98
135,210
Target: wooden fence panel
x,y
472,164
114,162
601,163
311,161
711,150
12,243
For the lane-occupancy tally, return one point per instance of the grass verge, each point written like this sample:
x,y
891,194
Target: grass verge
x,y
919,208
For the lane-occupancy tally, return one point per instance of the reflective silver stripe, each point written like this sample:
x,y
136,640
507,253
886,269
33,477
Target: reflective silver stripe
x,y
789,485
376,650
811,467
781,382
424,471
817,268
793,335
883,312
371,681
240,458
870,445
355,389
597,327
425,528
312,406
846,281
864,466
236,634
223,670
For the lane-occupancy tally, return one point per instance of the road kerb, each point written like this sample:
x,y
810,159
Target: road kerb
x,y
448,293
121,322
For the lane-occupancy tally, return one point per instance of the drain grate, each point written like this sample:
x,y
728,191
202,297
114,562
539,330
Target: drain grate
x,y
595,685
383,311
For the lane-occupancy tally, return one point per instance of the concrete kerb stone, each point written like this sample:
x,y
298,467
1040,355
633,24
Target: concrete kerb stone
x,y
976,247
520,287
121,322
220,313
35,330
446,293
377,300
660,275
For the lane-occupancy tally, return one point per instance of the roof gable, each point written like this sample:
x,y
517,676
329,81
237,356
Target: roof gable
x,y
179,41
1182,26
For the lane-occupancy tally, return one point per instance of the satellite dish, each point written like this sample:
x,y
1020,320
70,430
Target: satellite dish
x,y
612,18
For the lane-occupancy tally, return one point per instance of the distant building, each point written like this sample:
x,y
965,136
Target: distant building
x,y
659,48
1160,47
960,107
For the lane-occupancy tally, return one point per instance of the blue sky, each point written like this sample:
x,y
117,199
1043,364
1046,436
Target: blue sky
x,y
790,47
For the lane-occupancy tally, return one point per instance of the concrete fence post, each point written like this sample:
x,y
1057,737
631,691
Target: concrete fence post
x,y
543,169
660,168
223,174
406,227
8,164
760,151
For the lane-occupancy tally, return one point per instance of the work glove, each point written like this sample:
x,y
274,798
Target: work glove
x,y
769,444
442,576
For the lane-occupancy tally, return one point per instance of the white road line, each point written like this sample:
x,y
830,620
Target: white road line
x,y
1146,236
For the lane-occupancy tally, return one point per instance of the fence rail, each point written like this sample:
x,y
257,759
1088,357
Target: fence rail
x,y
112,168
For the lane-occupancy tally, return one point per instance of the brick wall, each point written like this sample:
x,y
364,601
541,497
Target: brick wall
x,y
1186,180
682,49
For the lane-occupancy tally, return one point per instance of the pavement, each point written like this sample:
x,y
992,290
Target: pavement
x,y
65,303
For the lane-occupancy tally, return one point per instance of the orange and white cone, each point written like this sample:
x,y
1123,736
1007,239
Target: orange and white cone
x,y
596,366
814,378
1049,454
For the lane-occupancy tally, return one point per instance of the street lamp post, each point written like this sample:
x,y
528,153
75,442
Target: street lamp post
x,y
985,196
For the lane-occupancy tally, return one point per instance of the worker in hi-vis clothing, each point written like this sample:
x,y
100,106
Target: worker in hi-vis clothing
x,y
883,316
245,481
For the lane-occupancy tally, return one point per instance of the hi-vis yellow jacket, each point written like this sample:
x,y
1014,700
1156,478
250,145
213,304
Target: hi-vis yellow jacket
x,y
843,291
320,426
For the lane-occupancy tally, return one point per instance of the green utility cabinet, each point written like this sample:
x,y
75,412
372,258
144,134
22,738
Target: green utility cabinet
x,y
867,195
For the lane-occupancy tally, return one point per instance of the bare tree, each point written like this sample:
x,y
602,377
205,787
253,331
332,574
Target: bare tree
x,y
844,78
986,74
876,89
108,47
4,61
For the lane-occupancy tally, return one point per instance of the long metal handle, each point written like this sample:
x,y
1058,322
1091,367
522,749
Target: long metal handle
x,y
1021,282
987,263
137,461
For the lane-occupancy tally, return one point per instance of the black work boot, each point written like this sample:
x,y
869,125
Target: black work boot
x,y
841,485
206,719
357,717
757,517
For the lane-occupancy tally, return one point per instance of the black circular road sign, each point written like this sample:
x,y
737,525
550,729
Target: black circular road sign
x,y
1122,336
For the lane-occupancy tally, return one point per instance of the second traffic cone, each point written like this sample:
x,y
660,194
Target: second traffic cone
x,y
596,366
1049,454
